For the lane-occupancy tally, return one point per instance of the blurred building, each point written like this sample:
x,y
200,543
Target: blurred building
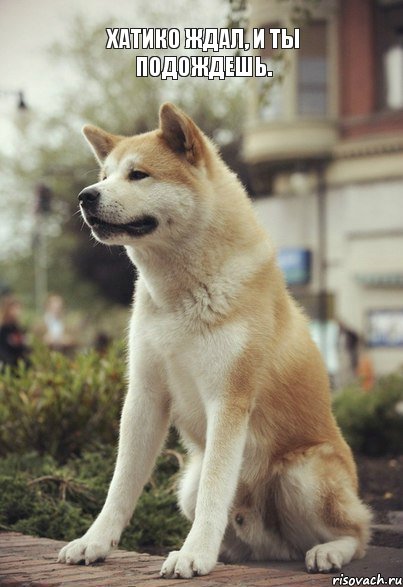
x,y
324,148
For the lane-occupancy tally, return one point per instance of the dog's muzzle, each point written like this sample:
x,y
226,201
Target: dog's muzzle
x,y
104,229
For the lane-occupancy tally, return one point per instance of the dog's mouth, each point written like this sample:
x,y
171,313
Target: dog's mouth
x,y
137,227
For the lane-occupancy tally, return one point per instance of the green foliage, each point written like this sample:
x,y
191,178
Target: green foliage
x,y
32,512
370,421
39,497
58,405
58,431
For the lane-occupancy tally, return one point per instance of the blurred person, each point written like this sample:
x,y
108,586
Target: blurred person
x,y
348,345
55,335
365,369
102,342
13,346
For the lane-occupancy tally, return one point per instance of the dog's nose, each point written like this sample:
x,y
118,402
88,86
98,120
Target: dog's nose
x,y
88,196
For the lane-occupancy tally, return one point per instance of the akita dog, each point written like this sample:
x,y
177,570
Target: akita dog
x,y
220,349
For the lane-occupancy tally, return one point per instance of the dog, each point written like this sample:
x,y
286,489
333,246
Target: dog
x,y
219,349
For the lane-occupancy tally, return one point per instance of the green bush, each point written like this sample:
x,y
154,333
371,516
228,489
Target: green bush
x,y
39,497
59,419
369,419
59,405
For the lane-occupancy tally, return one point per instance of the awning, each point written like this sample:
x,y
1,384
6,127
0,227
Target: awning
x,y
380,279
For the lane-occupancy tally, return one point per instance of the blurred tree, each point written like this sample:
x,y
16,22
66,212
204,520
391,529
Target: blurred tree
x,y
238,17
102,88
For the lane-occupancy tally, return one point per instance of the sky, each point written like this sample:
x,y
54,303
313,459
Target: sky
x,y
27,29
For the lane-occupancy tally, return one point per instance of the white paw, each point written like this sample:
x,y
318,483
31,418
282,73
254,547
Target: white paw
x,y
90,548
185,565
323,558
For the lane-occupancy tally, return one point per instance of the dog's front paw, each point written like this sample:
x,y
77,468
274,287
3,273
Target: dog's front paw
x,y
184,564
323,558
88,549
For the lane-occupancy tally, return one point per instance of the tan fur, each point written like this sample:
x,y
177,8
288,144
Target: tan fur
x,y
218,339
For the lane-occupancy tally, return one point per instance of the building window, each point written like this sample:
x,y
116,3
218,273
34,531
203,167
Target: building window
x,y
271,90
389,38
299,86
312,87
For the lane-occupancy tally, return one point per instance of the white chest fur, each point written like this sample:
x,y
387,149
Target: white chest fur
x,y
195,361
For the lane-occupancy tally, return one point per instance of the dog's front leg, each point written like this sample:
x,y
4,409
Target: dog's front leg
x,y
226,434
143,427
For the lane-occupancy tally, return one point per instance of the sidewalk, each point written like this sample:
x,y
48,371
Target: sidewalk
x,y
28,561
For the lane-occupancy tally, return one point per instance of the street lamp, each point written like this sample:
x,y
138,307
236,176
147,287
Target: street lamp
x,y
322,255
43,207
22,105
19,94
300,183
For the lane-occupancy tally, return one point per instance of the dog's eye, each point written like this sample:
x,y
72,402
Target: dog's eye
x,y
135,175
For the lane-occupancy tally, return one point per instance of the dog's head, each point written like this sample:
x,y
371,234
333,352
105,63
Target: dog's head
x,y
152,186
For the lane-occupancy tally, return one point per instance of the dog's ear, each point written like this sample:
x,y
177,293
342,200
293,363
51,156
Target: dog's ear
x,y
101,142
181,133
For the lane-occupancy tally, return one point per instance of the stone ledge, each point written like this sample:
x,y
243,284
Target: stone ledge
x,y
387,535
27,561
